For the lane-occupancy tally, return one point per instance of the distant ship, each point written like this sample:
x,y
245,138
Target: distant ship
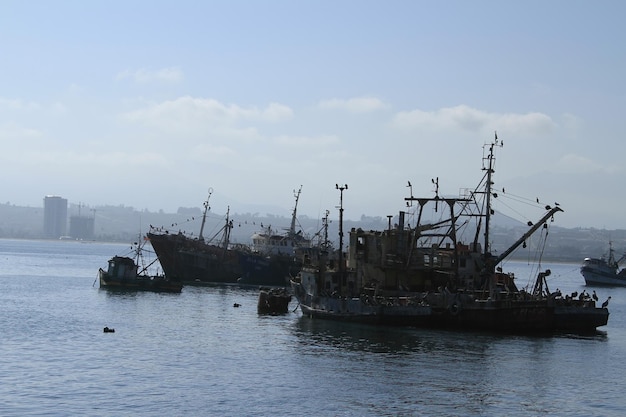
x,y
194,260
423,275
604,271
272,257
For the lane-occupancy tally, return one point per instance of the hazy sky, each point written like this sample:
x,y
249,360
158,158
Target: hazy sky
x,y
150,103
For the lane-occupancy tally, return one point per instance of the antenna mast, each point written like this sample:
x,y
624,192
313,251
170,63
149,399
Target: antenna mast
x,y
292,229
491,162
341,188
206,208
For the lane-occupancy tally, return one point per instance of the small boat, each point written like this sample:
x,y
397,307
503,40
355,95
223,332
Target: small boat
x,y
123,274
273,301
604,271
429,275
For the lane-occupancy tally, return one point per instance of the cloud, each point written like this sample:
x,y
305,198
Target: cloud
x,y
144,76
529,122
309,141
17,104
468,119
275,112
189,113
12,131
354,105
571,122
75,89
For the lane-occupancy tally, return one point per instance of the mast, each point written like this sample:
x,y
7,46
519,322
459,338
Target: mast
x,y
292,228
227,227
341,188
325,245
206,208
491,159
611,254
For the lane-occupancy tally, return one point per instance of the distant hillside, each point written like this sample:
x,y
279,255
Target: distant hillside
x,y
126,224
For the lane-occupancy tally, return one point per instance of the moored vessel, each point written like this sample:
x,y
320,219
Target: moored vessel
x,y
426,275
196,260
123,273
603,271
272,257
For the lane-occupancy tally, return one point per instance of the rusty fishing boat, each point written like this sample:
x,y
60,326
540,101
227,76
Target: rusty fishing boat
x,y
196,260
425,275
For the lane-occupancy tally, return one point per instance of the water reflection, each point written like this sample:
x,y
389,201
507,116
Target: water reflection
x,y
465,373
372,338
598,335
393,340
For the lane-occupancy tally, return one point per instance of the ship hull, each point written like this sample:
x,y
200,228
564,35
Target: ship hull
x,y
600,278
508,316
523,316
354,310
122,276
193,261
273,270
140,284
603,272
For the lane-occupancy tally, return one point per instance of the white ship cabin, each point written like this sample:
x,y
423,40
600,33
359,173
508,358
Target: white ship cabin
x,y
272,244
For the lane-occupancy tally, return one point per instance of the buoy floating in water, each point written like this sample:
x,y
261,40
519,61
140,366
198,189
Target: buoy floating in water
x,y
109,330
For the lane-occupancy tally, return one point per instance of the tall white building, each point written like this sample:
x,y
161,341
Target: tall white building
x,y
54,216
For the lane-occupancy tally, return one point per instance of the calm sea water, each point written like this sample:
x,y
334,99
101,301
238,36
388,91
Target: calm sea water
x,y
195,354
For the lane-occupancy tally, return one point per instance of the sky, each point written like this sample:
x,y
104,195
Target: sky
x,y
149,104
